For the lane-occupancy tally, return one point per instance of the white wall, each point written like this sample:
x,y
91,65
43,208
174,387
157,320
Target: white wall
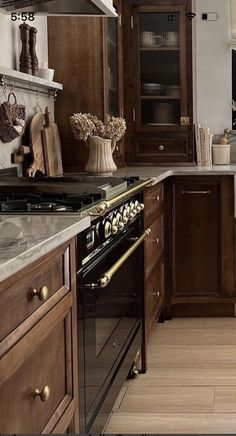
x,y
213,66
10,48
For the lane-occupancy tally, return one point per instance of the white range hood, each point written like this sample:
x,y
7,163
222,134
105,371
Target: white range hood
x,y
96,8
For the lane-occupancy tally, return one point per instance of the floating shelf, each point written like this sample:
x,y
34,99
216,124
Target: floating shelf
x,y
28,82
159,48
159,97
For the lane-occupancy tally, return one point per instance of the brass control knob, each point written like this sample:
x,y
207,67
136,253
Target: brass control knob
x,y
142,206
107,229
121,225
131,215
44,395
42,294
114,230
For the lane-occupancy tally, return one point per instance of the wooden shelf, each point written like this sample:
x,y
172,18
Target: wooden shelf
x,y
27,82
159,48
159,97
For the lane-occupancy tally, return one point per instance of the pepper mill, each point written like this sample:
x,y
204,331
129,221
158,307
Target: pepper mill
x,y
32,48
25,57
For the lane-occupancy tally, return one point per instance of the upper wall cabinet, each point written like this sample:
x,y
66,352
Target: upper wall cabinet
x,y
87,55
158,81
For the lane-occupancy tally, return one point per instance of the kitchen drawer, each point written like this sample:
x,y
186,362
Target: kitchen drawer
x,y
43,363
154,295
154,245
148,146
17,302
154,203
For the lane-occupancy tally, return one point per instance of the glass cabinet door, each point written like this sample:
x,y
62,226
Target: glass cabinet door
x,y
160,67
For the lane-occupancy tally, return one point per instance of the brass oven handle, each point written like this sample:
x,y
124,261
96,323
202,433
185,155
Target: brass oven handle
x,y
42,294
107,276
102,207
44,395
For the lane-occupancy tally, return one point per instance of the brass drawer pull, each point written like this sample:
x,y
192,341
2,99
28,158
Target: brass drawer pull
x,y
156,294
161,147
42,294
156,241
44,395
156,199
196,192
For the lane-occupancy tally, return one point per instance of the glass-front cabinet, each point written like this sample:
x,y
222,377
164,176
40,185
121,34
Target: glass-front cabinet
x,y
161,70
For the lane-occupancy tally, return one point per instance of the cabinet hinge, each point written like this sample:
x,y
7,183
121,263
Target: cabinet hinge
x,y
134,115
120,20
132,22
185,121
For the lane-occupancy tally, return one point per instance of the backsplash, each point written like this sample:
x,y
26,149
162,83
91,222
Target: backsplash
x,y
9,58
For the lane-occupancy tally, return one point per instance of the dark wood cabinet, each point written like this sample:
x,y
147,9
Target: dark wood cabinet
x,y
88,60
158,81
38,346
202,241
154,256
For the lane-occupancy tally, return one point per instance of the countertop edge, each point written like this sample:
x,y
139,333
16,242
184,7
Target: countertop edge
x,y
39,250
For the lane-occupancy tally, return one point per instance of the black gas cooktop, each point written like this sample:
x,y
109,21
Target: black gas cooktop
x,y
58,195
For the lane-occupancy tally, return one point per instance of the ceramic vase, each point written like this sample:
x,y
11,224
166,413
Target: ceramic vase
x,y
100,160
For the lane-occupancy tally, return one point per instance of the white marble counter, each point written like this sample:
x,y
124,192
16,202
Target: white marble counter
x,y
24,239
163,173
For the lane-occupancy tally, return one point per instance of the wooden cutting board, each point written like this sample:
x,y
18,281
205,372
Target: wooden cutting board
x,y
36,128
52,147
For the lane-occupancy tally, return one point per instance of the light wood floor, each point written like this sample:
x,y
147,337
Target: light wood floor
x,y
190,386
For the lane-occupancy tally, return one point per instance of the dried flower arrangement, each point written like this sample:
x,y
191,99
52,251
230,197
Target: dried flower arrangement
x,y
86,125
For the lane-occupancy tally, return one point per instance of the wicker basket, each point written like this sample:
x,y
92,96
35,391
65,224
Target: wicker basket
x,y
12,119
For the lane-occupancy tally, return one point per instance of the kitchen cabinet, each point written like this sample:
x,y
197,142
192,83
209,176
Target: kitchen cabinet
x,y
38,354
202,251
92,75
158,81
154,256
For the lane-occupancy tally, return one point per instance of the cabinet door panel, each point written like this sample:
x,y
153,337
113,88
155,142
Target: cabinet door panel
x,y
196,244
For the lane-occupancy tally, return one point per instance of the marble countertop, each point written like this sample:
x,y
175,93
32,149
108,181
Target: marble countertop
x,y
163,173
26,238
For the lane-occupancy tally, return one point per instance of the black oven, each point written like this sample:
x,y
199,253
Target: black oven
x,y
110,310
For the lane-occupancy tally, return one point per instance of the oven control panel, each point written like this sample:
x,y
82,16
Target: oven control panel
x,y
116,221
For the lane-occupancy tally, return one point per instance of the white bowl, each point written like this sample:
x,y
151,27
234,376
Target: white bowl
x,y
46,73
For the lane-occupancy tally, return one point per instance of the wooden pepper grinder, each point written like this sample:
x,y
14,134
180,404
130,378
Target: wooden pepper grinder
x,y
25,57
32,48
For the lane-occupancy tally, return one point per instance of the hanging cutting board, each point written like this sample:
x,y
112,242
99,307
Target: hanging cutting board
x,y
52,147
36,128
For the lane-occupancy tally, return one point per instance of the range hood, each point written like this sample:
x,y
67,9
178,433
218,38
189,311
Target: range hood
x,y
96,8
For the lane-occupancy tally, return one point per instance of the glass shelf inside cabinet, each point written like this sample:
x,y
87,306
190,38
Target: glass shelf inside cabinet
x,y
160,68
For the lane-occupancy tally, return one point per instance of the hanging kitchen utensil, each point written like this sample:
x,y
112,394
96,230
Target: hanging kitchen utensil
x,y
12,119
36,128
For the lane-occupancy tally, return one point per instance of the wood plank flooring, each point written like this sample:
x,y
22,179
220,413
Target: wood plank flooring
x,y
190,387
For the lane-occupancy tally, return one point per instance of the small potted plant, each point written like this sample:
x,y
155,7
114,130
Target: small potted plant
x,y
101,140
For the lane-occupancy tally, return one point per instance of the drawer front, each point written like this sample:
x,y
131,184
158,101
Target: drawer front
x,y
154,245
17,299
154,295
150,146
154,203
45,367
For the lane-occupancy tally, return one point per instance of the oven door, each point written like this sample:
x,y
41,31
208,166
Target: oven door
x,y
110,314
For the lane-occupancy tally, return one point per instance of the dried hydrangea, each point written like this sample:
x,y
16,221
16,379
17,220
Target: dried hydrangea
x,y
82,127
115,128
98,125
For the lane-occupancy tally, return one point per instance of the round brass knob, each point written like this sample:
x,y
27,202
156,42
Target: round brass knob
x,y
161,148
156,294
114,345
114,230
44,395
156,241
121,226
156,199
42,294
